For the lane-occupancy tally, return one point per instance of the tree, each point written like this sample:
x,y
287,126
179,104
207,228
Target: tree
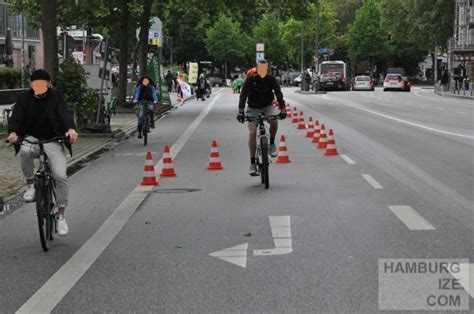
x,y
225,42
124,30
267,32
366,40
143,36
50,42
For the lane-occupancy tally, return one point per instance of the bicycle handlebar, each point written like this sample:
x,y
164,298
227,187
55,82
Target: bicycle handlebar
x,y
58,139
261,117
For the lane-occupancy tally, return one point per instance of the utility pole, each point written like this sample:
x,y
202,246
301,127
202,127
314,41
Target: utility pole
x,y
22,50
316,54
302,47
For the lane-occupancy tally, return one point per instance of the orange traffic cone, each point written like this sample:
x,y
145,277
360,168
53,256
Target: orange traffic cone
x,y
310,132
295,116
323,139
283,157
288,111
214,161
317,132
149,177
168,169
331,149
301,125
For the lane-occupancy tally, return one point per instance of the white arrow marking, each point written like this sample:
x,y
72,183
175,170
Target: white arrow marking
x,y
236,255
281,232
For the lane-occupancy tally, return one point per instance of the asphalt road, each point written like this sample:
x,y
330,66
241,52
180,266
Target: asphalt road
x,y
404,190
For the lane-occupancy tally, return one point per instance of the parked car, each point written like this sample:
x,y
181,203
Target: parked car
x,y
362,82
216,81
331,81
297,80
396,82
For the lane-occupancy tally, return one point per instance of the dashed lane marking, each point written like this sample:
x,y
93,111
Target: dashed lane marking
x,y
411,218
372,182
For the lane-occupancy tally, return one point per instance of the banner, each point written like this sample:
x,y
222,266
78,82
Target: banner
x,y
193,73
184,87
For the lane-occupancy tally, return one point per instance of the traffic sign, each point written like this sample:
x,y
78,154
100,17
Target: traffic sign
x,y
325,51
260,47
260,56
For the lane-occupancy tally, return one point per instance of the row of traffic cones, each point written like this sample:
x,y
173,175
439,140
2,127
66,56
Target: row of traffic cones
x,y
315,131
149,177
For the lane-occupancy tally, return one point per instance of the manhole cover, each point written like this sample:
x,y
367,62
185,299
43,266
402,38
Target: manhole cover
x,y
169,191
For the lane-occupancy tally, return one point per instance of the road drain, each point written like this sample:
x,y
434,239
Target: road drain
x,y
170,191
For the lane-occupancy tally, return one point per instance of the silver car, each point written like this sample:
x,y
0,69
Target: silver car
x,y
362,82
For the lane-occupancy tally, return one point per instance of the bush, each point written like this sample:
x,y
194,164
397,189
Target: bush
x,y
10,78
72,81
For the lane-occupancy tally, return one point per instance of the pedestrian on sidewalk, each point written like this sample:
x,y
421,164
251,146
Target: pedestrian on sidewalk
x,y
41,114
169,80
444,80
145,98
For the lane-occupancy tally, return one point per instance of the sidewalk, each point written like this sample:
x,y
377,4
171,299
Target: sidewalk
x,y
466,94
11,179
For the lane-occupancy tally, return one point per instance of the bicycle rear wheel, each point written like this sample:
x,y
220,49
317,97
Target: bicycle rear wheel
x,y
265,162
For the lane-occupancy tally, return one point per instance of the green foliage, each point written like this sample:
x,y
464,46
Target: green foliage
x,y
366,40
224,40
267,32
72,82
10,78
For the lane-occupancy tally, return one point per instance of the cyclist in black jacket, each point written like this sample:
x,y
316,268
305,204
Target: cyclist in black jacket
x,y
258,91
41,114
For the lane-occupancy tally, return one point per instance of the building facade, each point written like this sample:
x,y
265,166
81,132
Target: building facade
x,y
18,24
462,44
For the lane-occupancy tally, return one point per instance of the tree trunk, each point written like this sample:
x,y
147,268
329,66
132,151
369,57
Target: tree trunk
x,y
123,51
50,41
144,29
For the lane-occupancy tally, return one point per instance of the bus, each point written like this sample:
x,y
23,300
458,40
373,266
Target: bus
x,y
337,68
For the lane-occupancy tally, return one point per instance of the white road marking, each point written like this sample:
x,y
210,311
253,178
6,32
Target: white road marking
x,y
53,291
372,182
411,218
465,277
471,137
236,255
281,233
347,159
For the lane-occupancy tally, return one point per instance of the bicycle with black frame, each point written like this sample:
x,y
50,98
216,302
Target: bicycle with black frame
x,y
146,119
262,157
45,195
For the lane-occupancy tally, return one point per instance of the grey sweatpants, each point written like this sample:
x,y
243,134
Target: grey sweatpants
x,y
57,160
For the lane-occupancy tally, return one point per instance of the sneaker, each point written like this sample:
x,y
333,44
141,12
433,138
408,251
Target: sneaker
x,y
253,170
30,193
140,135
273,151
63,229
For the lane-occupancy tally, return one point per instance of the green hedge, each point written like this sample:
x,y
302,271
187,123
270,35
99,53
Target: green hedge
x,y
10,78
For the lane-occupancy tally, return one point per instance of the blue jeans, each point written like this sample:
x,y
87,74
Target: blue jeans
x,y
140,111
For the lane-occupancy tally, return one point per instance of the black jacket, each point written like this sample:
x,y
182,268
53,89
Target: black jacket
x,y
59,114
258,92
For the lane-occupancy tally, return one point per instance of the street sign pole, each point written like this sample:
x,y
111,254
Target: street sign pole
x,y
101,92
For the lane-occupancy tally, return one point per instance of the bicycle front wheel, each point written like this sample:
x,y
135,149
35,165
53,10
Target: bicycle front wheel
x,y
146,129
265,162
42,213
